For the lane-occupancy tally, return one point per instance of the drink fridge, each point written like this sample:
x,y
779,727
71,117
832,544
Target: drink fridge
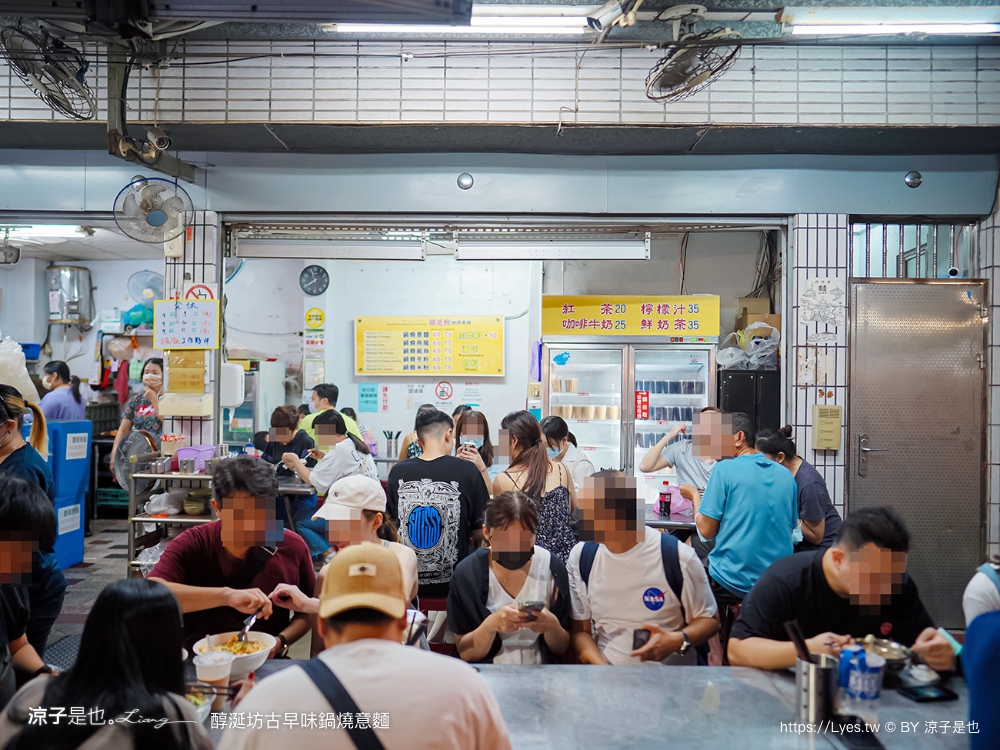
x,y
621,399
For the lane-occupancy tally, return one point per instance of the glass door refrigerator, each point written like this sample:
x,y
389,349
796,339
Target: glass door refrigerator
x,y
584,384
671,383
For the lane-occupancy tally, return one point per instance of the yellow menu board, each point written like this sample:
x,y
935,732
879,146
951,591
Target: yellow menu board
x,y
389,345
682,318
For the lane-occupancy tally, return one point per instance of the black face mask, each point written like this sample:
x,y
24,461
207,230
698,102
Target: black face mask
x,y
512,560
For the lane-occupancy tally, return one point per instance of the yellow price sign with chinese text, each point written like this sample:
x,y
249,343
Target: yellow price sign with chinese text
x,y
681,318
462,346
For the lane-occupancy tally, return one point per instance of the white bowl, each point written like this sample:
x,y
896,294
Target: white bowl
x,y
242,664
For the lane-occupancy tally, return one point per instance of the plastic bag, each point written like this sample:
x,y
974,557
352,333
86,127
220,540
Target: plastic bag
x,y
147,559
14,371
762,351
731,355
171,502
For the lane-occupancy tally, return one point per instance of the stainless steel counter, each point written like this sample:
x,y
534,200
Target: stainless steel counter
x,y
628,708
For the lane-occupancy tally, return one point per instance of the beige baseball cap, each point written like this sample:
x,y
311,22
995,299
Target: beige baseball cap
x,y
363,576
353,493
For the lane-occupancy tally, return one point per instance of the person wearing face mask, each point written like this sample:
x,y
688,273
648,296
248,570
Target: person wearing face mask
x,y
548,482
562,447
857,587
509,604
63,400
472,438
354,512
24,461
143,410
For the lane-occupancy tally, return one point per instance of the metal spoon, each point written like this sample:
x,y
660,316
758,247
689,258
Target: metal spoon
x,y
247,624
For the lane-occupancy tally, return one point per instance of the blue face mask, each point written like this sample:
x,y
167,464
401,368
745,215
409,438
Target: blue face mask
x,y
554,453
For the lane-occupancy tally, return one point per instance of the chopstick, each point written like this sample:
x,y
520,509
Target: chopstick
x,y
795,633
230,691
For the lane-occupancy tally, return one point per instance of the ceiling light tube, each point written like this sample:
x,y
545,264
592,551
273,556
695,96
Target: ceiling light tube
x,y
331,249
636,249
503,26
62,231
944,29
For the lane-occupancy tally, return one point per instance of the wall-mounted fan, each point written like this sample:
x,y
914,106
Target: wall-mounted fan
x,y
693,61
52,69
153,209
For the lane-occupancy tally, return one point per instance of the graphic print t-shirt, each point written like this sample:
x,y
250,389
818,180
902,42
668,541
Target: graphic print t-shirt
x,y
436,504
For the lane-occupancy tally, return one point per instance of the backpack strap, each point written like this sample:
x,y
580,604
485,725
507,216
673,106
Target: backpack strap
x,y
587,556
672,568
990,572
341,702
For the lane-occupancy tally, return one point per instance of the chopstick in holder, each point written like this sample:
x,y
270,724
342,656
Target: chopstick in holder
x,y
795,633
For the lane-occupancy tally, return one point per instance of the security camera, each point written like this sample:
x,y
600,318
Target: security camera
x,y
953,272
9,255
605,16
157,138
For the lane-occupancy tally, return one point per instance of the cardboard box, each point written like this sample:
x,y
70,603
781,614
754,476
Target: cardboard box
x,y
772,320
752,306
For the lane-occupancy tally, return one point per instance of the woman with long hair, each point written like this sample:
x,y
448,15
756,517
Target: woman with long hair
x,y
562,447
129,665
63,400
24,460
547,482
510,604
411,447
142,412
472,441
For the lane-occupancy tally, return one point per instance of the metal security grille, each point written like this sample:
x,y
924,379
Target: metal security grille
x,y
910,250
915,426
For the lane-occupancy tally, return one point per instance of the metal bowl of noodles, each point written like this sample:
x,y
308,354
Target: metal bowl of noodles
x,y
896,655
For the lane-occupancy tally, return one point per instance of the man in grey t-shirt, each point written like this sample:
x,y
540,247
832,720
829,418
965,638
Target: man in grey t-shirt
x,y
691,468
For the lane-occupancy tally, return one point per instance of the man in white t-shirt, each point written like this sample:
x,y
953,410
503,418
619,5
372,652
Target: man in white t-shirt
x,y
628,583
409,697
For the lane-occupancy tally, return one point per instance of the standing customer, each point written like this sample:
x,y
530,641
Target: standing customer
x,y
413,698
749,509
818,518
143,411
324,398
63,400
548,482
411,447
490,588
129,665
562,447
438,502
27,521
472,436
22,460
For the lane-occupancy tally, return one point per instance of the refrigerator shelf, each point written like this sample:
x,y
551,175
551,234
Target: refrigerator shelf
x,y
586,394
593,421
650,424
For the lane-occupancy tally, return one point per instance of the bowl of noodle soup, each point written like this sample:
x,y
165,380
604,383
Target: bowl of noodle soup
x,y
247,656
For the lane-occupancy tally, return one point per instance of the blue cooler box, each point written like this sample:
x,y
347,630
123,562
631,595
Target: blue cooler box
x,y
69,528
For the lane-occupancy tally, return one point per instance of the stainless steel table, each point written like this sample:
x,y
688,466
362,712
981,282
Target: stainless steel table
x,y
569,707
675,521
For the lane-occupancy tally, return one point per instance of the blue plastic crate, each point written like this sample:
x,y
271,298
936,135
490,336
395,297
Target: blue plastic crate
x,y
69,456
69,526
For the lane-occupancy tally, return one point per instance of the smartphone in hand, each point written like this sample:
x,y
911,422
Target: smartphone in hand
x,y
640,638
531,608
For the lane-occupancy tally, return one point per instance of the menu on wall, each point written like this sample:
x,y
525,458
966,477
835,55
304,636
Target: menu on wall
x,y
689,318
410,345
186,324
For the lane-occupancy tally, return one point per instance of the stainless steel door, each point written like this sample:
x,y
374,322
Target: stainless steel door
x,y
916,416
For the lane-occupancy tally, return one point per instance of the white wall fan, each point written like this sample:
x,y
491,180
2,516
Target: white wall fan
x,y
153,210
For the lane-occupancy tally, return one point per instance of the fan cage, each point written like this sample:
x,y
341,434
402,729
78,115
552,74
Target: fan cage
x,y
50,71
717,48
135,227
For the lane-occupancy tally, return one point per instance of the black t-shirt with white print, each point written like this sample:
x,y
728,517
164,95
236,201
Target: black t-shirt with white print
x,y
795,587
437,505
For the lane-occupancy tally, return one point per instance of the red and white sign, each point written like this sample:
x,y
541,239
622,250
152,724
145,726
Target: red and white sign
x,y
444,390
642,404
200,291
383,398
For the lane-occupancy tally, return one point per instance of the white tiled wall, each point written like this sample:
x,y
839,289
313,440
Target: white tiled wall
x,y
989,255
456,82
819,248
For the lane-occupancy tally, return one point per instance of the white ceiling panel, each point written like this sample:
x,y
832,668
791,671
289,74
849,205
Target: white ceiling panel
x,y
106,243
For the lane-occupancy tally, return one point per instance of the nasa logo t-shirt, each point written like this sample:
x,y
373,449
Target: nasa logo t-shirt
x,y
436,504
628,590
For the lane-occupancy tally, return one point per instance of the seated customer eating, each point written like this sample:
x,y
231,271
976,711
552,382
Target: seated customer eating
x,y
637,595
223,571
857,587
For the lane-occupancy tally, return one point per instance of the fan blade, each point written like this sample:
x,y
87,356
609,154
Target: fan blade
x,y
131,208
150,193
173,205
171,228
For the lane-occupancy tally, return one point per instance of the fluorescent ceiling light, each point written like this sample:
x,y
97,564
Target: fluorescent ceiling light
x,y
897,28
491,19
331,249
54,231
581,250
